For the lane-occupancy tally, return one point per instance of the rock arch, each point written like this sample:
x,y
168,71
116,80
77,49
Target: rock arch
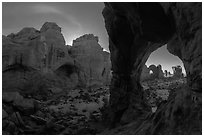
x,y
136,30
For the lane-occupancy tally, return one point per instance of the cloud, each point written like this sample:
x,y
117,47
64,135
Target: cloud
x,y
40,8
47,9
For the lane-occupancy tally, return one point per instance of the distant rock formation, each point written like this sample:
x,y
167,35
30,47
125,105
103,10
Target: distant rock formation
x,y
177,71
33,55
157,72
145,75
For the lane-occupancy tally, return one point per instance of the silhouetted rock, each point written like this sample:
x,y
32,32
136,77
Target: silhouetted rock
x,y
177,71
186,43
136,30
145,73
157,72
160,71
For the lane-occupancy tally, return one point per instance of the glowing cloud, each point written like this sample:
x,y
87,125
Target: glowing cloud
x,y
40,8
47,9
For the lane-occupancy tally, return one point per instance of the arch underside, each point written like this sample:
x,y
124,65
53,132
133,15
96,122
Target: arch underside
x,y
136,30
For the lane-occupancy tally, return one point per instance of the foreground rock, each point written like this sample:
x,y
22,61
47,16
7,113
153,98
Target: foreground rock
x,y
175,116
71,112
149,26
27,106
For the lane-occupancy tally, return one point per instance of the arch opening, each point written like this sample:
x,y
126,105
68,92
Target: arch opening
x,y
161,73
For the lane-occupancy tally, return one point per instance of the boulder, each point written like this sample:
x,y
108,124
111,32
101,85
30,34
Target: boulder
x,y
55,90
8,97
27,106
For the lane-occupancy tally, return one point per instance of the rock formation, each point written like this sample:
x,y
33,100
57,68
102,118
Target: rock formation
x,y
136,30
186,43
94,62
30,53
177,71
145,73
157,72
33,58
42,50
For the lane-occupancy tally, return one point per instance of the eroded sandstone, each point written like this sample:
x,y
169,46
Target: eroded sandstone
x,y
31,55
147,27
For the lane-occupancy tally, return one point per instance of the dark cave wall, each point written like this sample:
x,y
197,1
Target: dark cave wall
x,y
137,29
187,41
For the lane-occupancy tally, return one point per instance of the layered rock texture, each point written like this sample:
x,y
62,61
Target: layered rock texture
x,y
34,60
136,30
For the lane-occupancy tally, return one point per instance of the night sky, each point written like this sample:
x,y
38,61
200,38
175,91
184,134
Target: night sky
x,y
75,19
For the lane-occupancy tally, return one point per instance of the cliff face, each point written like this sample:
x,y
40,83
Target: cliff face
x,y
94,62
43,50
136,30
186,43
31,53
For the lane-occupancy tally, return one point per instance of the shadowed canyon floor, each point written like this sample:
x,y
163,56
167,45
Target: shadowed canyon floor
x,y
77,111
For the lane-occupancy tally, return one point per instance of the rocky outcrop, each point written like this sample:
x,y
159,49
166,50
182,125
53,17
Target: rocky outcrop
x,y
147,27
27,106
94,62
33,58
43,50
157,72
177,71
30,54
173,117
145,73
186,43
